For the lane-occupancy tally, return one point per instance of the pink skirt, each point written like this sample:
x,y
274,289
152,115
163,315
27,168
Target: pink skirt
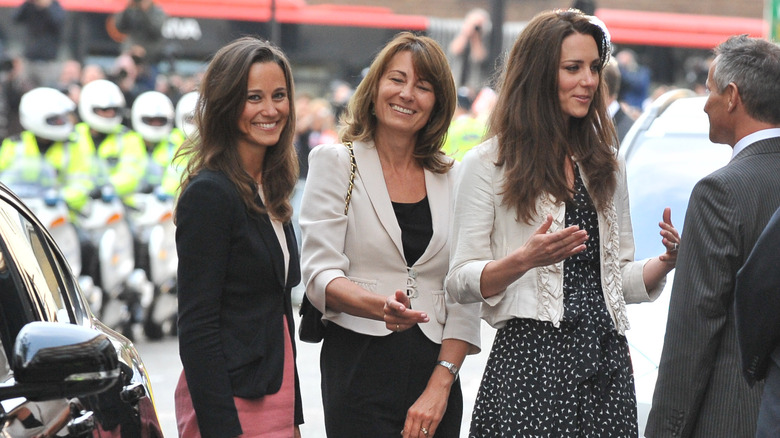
x,y
272,416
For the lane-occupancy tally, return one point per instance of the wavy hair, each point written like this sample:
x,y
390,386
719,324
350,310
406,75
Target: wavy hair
x,y
359,122
220,103
533,136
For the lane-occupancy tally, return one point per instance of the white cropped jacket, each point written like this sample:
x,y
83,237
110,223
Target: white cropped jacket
x,y
485,230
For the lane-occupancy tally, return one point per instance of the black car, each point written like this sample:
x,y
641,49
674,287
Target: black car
x,y
62,372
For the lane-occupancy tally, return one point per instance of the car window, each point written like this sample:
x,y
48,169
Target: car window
x,y
38,288
661,173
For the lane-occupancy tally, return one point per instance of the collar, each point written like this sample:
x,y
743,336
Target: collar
x,y
754,138
613,108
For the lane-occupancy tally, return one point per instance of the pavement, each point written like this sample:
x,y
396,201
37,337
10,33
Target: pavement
x,y
162,361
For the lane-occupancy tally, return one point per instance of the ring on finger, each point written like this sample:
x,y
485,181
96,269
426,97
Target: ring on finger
x,y
424,431
675,246
397,328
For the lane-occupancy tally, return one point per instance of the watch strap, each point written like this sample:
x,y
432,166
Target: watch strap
x,y
451,367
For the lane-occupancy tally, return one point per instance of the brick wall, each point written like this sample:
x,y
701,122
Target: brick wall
x,y
521,10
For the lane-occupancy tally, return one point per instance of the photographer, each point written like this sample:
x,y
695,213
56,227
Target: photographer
x,y
468,51
43,21
142,22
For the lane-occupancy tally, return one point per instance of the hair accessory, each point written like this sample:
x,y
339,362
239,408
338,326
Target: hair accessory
x,y
606,42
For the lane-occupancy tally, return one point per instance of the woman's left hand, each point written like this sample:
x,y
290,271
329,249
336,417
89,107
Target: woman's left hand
x,y
399,315
426,413
670,238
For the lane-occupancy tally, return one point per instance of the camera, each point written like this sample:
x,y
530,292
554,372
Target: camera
x,y
6,64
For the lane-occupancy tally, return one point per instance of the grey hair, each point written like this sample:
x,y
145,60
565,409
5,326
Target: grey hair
x,y
753,65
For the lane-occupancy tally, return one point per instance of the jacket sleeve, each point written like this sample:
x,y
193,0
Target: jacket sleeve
x,y
323,222
203,236
634,289
473,223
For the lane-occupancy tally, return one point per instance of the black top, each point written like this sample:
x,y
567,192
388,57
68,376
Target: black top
x,y
416,228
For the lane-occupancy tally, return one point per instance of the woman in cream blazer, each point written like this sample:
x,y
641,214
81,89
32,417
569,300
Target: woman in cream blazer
x,y
394,338
542,240
487,230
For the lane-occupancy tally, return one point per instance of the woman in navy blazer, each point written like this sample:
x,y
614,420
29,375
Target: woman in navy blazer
x,y
238,258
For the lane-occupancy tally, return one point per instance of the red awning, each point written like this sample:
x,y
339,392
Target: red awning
x,y
676,30
287,11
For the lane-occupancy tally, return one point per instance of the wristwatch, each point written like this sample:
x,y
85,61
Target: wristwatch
x,y
453,369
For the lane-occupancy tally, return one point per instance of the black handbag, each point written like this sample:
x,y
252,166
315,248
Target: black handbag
x,y
311,328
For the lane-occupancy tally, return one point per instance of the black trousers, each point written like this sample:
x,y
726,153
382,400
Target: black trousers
x,y
369,382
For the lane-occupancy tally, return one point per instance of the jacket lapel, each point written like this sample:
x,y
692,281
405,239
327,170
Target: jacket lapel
x,y
294,269
268,235
373,180
437,186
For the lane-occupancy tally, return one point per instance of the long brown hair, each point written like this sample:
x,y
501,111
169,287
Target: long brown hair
x,y
220,103
533,136
359,123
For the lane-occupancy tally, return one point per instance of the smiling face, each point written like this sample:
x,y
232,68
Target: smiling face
x,y
267,106
404,101
578,74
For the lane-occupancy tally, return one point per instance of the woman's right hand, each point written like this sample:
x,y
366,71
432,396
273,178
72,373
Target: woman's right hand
x,y
399,315
541,249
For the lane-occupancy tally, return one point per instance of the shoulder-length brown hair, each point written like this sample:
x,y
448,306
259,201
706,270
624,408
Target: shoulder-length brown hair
x,y
430,63
533,136
223,94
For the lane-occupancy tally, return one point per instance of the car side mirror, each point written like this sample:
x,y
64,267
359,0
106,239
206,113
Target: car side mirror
x,y
56,360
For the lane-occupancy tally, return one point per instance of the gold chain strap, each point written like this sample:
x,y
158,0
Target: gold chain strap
x,y
352,169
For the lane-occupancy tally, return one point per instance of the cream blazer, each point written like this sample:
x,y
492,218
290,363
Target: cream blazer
x,y
365,245
485,230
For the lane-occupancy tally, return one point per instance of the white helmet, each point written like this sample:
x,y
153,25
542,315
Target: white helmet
x,y
185,113
47,113
101,94
152,116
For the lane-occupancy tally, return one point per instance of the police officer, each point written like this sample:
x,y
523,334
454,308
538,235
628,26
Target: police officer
x,y
152,117
101,107
184,128
47,116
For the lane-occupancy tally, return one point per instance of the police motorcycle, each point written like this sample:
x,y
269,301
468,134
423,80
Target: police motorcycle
x,y
46,115
127,291
109,255
36,182
150,211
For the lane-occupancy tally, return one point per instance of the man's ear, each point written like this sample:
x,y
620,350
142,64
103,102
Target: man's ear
x,y
733,93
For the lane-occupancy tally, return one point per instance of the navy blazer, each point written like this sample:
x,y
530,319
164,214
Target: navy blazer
x,y
232,299
757,303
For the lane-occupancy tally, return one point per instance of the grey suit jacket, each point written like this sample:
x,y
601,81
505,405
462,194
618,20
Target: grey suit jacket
x,y
700,391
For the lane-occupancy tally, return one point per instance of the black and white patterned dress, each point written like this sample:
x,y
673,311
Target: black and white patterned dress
x,y
571,381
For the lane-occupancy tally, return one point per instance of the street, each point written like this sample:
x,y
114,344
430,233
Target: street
x,y
161,359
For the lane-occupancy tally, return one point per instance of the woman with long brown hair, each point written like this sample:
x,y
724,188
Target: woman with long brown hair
x,y
542,239
238,257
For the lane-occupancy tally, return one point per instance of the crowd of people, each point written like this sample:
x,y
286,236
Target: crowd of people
x,y
417,204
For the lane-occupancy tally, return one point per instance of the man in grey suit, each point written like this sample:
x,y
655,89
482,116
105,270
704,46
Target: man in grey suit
x,y
700,391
